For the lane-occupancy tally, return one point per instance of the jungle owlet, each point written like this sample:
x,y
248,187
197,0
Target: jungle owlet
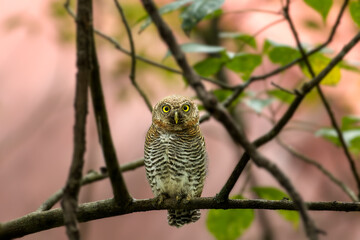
x,y
175,155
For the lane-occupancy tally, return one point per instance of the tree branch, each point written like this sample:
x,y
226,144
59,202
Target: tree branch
x,y
90,177
133,56
69,203
40,221
322,96
121,194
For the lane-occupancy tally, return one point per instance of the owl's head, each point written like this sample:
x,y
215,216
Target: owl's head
x,y
175,113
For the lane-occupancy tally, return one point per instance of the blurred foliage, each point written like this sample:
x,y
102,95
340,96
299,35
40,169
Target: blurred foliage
x,y
272,193
197,11
350,129
65,23
318,62
229,224
321,6
355,11
244,63
240,39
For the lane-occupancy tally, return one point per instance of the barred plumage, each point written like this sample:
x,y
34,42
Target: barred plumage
x,y
175,155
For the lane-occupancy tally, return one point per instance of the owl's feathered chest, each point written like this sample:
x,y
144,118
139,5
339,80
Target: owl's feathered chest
x,y
174,162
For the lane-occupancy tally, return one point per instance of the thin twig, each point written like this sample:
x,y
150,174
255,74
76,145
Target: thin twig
x,y
321,168
133,56
323,98
90,177
252,10
282,88
268,26
69,202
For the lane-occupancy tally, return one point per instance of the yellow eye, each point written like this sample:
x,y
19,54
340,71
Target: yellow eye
x,y
186,108
166,108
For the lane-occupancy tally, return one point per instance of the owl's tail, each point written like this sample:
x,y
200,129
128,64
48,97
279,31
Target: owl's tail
x,y
178,218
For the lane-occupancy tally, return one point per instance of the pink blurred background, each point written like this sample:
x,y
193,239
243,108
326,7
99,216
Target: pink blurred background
x,y
37,79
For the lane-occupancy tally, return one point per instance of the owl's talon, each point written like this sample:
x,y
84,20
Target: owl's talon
x,y
187,199
159,200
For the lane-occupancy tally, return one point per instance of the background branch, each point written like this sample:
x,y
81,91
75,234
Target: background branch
x,y
90,177
322,96
133,56
306,159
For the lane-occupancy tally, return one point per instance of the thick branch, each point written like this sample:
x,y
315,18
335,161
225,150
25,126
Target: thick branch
x,y
40,221
83,50
121,194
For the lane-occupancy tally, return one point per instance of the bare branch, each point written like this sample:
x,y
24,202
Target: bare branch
x,y
133,56
69,203
121,194
40,221
90,177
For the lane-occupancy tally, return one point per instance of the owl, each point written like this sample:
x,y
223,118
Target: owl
x,y
175,155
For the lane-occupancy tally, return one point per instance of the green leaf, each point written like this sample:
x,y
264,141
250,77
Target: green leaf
x,y
163,10
208,66
350,129
321,6
355,12
229,224
241,38
282,95
244,63
328,134
198,48
271,193
197,11
258,104
201,48
350,66
222,94
279,53
331,135
283,55
318,62
350,122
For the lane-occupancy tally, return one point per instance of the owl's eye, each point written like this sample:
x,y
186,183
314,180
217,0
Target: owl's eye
x,y
166,108
186,108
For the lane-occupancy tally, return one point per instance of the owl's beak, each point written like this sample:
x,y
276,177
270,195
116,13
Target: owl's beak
x,y
176,117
